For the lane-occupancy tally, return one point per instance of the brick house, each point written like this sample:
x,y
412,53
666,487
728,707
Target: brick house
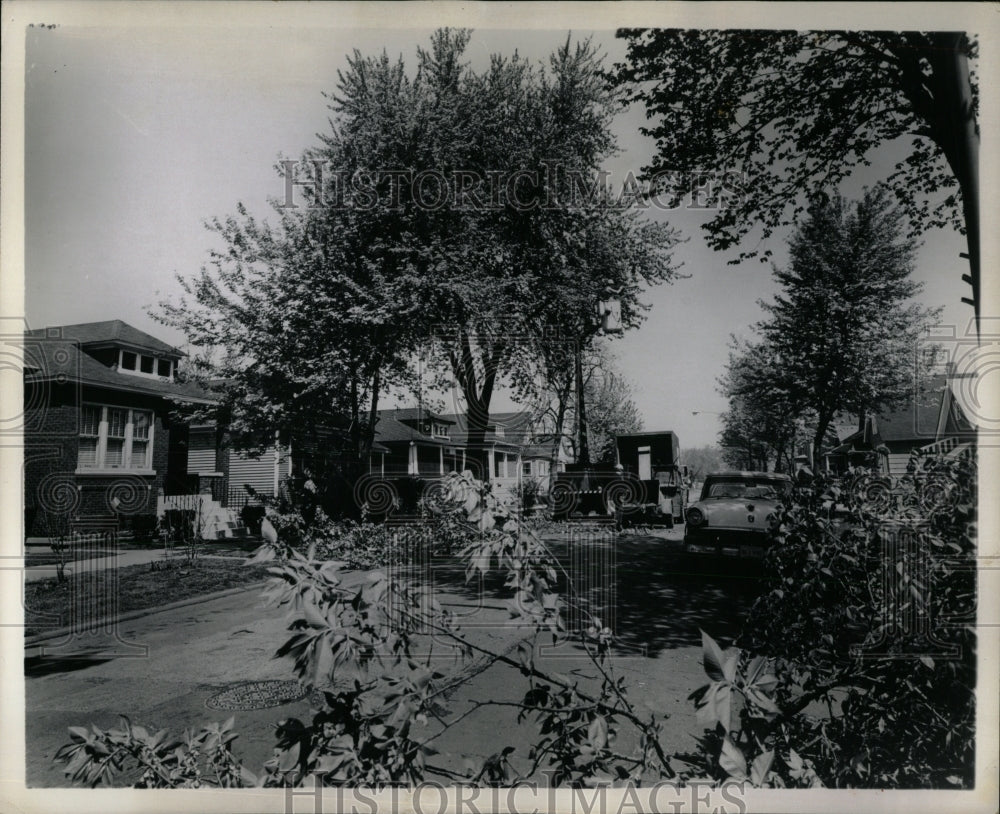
x,y
98,434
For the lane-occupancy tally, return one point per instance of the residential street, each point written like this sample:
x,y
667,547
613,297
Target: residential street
x,y
195,652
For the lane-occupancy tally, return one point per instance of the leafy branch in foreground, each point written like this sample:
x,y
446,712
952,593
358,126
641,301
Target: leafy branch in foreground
x,y
826,687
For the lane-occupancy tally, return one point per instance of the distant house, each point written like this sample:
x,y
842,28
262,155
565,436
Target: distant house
x,y
414,441
932,422
512,450
99,439
521,429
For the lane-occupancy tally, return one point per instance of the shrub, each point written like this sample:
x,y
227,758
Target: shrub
x,y
251,517
528,493
858,660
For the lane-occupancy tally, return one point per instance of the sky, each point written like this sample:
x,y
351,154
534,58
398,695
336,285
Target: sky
x,y
135,137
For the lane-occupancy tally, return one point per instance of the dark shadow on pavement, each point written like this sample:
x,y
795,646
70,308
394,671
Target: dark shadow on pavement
x,y
36,666
652,596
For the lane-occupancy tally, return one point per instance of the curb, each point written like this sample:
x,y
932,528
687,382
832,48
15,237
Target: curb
x,y
38,638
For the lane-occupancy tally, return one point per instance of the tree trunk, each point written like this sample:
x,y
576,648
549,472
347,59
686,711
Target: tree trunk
x,y
563,398
954,130
477,412
822,425
373,411
476,421
583,456
779,454
355,419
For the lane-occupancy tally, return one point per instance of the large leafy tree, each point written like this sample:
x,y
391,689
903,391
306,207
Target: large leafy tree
x,y
841,334
298,327
516,255
797,110
440,211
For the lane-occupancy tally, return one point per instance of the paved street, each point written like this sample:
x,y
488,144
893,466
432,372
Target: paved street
x,y
185,657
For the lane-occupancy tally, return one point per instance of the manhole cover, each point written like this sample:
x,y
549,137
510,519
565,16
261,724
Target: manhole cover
x,y
257,695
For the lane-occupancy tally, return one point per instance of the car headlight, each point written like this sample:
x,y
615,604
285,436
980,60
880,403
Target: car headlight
x,y
695,517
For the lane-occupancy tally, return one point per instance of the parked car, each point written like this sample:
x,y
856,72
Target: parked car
x,y
735,514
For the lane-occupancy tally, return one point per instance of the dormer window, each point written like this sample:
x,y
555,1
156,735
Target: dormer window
x,y
141,364
440,431
498,431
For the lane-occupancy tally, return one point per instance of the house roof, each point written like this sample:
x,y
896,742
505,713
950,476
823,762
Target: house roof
x,y
514,426
918,421
391,427
415,414
62,360
113,332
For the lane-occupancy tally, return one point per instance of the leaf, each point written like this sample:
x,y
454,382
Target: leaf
x,y
730,664
717,706
927,661
761,767
597,732
712,657
731,759
525,655
762,700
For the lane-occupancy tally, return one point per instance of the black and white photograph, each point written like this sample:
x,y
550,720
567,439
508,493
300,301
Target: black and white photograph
x,y
499,407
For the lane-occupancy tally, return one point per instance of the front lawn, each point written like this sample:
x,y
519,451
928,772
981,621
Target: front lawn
x,y
49,603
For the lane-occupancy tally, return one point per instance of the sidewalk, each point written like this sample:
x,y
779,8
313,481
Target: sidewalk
x,y
112,559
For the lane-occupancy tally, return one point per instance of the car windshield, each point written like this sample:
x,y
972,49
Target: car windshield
x,y
757,489
727,489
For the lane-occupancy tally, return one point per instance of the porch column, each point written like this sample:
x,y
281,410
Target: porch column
x,y
441,458
491,466
411,466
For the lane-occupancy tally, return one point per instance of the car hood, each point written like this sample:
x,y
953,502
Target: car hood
x,y
734,513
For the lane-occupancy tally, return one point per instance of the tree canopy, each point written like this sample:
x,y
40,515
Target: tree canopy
x,y
798,110
448,211
842,333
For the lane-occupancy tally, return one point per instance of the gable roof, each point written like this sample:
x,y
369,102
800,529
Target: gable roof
x,y
919,421
460,434
929,415
112,332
